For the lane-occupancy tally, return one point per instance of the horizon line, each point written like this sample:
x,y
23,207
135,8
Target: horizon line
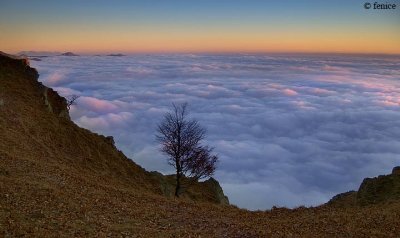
x,y
208,52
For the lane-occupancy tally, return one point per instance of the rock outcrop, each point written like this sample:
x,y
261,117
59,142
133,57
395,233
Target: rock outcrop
x,y
209,190
381,189
396,170
54,102
384,188
216,190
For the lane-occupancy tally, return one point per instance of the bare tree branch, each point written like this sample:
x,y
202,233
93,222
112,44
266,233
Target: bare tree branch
x,y
71,100
180,140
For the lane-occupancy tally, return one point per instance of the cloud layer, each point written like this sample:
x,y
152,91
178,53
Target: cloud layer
x,y
290,130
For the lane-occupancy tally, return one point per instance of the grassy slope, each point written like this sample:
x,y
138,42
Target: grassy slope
x,y
378,190
57,179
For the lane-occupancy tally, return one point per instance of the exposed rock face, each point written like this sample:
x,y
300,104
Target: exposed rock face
x,y
217,190
209,190
23,58
381,189
55,103
167,186
110,140
396,170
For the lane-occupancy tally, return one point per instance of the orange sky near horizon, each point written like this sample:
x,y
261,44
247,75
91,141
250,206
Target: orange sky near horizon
x,y
131,42
306,26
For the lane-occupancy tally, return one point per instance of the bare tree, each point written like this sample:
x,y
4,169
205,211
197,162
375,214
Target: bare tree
x,y
180,139
71,100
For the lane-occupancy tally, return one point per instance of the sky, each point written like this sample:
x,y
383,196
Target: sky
x,y
289,129
198,26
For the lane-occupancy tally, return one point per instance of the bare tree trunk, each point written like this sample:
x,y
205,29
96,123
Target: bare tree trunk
x,y
181,141
178,183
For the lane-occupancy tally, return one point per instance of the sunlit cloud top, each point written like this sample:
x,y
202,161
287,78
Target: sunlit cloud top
x,y
193,26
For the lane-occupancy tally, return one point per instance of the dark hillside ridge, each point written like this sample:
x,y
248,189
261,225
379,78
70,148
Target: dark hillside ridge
x,y
381,189
43,117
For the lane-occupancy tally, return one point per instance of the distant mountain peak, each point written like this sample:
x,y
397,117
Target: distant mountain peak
x,y
69,54
117,55
38,53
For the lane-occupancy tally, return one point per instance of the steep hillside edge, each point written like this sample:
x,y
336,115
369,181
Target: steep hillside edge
x,y
378,190
31,110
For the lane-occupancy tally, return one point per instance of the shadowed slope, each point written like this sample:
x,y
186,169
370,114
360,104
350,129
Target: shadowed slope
x,y
378,190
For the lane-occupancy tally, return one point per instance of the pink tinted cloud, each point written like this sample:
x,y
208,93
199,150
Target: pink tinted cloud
x,y
118,118
289,92
303,105
335,69
321,91
139,70
55,77
97,105
109,120
64,91
390,101
92,122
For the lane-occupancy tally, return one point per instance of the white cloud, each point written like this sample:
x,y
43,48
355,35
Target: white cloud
x,y
55,78
96,105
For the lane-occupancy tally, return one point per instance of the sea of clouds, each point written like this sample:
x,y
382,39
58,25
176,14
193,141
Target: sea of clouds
x,y
290,130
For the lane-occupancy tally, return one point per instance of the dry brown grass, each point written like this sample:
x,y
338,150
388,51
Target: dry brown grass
x,y
59,180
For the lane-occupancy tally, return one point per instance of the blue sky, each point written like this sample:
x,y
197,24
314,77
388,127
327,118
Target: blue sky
x,y
201,25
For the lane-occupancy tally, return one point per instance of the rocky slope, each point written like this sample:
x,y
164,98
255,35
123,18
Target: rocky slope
x,y
378,190
60,180
52,111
